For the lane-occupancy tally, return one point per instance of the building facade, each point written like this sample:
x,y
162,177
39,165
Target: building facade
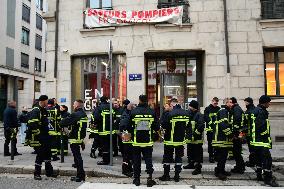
x,y
238,52
22,49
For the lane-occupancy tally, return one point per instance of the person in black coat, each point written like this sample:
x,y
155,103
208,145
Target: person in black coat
x,y
11,124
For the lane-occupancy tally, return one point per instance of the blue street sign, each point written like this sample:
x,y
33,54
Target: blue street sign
x,y
62,100
134,77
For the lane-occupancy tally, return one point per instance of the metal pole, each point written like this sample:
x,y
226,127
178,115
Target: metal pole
x,y
110,96
61,146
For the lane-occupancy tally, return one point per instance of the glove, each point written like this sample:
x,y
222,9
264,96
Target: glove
x,y
83,146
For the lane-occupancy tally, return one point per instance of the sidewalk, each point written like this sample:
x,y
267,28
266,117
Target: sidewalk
x,y
24,164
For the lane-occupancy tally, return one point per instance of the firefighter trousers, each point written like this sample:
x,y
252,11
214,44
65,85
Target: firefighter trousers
x,y
136,158
43,154
75,148
168,156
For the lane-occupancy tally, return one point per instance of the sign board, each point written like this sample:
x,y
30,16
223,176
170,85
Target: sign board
x,y
62,100
104,18
134,77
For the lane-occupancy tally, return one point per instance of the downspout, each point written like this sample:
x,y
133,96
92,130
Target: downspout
x,y
56,45
227,50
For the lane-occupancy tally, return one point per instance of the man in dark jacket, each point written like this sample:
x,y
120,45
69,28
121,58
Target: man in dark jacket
x,y
261,141
142,123
247,130
210,116
77,123
194,134
174,124
101,117
38,137
238,118
11,125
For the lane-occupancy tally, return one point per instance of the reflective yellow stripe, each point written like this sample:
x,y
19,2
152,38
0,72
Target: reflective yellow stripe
x,y
75,141
33,120
194,142
197,132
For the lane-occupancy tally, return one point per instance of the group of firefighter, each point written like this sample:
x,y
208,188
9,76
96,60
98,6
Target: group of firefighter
x,y
227,127
136,128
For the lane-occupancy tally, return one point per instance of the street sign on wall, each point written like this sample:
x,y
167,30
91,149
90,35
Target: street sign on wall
x,y
135,77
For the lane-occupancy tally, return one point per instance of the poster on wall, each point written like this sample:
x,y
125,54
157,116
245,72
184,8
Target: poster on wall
x,y
104,18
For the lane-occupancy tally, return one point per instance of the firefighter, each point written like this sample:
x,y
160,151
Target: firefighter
x,y
174,125
63,114
237,124
77,123
142,123
102,121
195,138
93,130
247,130
54,129
127,168
261,141
118,110
210,115
39,138
222,138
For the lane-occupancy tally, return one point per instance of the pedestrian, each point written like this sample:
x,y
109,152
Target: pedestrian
x,y
247,130
11,125
195,138
261,141
237,123
39,138
222,138
54,129
102,121
174,124
210,116
23,118
142,123
127,168
77,122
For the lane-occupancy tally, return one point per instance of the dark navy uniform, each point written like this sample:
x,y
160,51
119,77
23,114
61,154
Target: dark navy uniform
x,y
210,116
143,123
174,123
94,133
237,118
195,141
77,122
117,143
39,138
222,141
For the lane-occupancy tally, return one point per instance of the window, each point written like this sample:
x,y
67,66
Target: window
x,y
38,42
26,13
20,84
38,64
274,71
39,4
272,9
100,4
25,36
38,22
174,3
24,60
37,86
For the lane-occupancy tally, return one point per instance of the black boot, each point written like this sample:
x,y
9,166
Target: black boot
x,y
126,170
269,179
259,174
238,170
150,181
136,181
190,165
166,176
176,177
37,172
220,174
197,169
105,159
6,150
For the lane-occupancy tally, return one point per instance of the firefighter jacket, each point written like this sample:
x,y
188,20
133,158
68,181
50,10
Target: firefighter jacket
x,y
222,133
195,128
175,123
37,127
54,118
142,123
124,120
248,120
237,119
118,113
77,123
210,117
92,129
260,130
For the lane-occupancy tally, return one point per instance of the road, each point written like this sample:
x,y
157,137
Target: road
x,y
8,181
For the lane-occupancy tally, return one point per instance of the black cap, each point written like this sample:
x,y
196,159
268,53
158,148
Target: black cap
x,y
264,99
126,102
174,100
234,100
143,98
103,99
249,100
50,101
43,98
194,104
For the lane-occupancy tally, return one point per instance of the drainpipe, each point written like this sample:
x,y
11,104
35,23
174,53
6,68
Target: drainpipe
x,y
56,45
227,50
